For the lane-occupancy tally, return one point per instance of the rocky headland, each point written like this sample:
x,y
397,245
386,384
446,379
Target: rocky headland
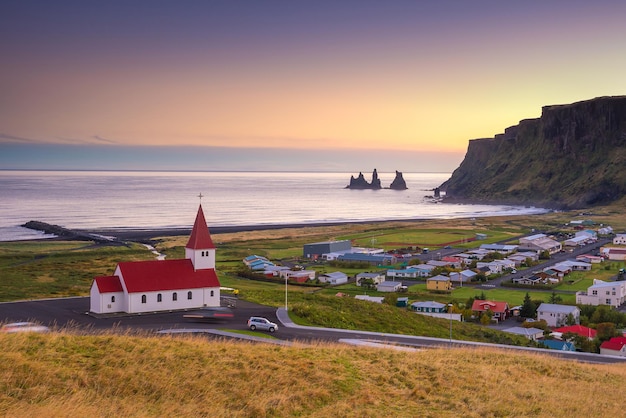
x,y
573,156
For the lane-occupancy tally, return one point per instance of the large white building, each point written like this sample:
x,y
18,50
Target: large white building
x,y
603,293
162,285
540,242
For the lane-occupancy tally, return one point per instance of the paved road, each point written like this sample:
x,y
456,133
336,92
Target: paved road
x,y
73,313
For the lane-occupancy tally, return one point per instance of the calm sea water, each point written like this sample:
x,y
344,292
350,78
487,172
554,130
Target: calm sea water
x,y
154,200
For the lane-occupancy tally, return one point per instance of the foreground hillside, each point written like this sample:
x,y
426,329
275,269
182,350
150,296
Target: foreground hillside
x,y
63,375
571,157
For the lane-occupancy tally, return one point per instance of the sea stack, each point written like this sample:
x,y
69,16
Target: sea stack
x,y
398,183
361,183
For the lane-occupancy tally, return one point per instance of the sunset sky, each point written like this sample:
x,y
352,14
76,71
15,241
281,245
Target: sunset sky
x,y
290,85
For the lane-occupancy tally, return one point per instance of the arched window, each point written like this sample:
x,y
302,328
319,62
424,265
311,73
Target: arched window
x,y
189,294
175,296
212,293
112,299
159,298
202,253
143,298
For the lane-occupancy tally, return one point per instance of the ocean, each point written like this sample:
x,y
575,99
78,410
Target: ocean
x,y
95,200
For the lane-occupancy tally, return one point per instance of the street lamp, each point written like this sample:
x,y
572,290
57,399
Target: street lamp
x,y
286,276
450,316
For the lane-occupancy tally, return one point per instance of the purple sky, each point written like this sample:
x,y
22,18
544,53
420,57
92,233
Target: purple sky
x,y
272,85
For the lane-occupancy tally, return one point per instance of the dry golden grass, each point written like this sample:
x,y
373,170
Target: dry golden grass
x,y
63,375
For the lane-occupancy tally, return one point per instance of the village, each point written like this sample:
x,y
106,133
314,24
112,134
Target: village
x,y
536,262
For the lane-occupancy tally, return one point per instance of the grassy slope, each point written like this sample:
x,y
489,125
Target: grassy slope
x,y
59,375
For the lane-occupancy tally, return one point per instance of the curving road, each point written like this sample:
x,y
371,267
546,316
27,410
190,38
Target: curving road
x,y
72,313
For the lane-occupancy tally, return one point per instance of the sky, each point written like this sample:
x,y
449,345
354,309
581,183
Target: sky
x,y
290,85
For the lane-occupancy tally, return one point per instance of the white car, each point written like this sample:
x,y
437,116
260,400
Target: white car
x,y
256,322
24,327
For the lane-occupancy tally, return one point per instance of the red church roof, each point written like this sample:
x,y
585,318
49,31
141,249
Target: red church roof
x,y
152,276
108,284
578,329
200,237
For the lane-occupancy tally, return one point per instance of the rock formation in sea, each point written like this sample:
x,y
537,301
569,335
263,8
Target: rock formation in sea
x,y
571,157
361,183
398,183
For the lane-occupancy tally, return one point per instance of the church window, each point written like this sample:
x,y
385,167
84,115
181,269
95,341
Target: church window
x,y
189,294
159,298
143,298
211,293
112,299
175,296
202,253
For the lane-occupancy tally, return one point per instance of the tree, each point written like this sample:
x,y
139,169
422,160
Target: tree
x,y
606,331
485,317
570,320
554,298
528,309
544,255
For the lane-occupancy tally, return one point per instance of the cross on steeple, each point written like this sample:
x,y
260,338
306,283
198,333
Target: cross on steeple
x,y
200,196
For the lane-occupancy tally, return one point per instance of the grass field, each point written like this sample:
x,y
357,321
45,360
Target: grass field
x,y
67,375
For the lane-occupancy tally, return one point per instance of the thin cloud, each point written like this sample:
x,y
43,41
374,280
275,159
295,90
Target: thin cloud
x,y
12,138
106,140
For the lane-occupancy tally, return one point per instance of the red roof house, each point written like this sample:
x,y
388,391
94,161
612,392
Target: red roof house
x,y
581,330
162,285
616,346
500,310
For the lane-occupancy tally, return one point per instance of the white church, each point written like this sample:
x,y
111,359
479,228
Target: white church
x,y
162,285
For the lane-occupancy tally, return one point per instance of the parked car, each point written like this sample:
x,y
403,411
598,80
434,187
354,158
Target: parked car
x,y
256,322
24,327
217,313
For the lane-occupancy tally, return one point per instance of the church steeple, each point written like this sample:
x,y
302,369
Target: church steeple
x,y
200,248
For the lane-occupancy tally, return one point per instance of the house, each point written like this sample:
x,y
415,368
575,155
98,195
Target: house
x,y
581,330
603,293
439,282
619,239
530,281
532,334
557,315
588,258
162,285
299,276
409,272
402,302
454,262
616,254
254,258
430,307
461,277
539,242
376,278
438,263
575,265
558,345
616,346
499,248
493,267
578,241
336,277
500,310
424,270
389,286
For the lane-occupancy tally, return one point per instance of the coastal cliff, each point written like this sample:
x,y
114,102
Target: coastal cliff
x,y
573,156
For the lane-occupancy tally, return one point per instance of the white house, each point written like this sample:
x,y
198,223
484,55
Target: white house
x,y
162,285
389,286
532,334
615,254
556,315
464,276
336,277
619,239
603,293
377,278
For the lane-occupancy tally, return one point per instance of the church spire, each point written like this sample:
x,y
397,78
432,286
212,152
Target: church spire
x,y
200,237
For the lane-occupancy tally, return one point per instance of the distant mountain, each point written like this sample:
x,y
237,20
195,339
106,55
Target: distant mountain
x,y
573,156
